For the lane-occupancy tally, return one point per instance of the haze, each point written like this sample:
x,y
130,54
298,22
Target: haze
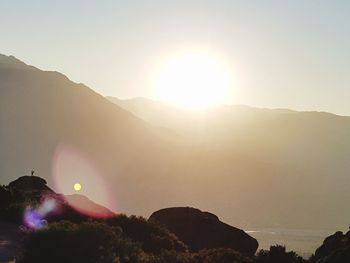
x,y
282,55
222,110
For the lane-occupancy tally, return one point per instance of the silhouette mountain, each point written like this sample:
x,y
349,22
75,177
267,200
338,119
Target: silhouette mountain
x,y
203,230
41,110
253,167
298,158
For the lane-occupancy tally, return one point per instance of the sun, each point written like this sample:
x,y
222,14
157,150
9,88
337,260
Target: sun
x,y
77,187
193,79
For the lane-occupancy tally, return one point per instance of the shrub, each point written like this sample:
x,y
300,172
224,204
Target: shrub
x,y
68,242
278,254
221,255
152,237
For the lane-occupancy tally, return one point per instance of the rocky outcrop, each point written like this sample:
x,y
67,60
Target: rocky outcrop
x,y
335,249
203,230
30,184
33,191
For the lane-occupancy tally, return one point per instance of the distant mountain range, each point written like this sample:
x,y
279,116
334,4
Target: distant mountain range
x,y
293,164
250,166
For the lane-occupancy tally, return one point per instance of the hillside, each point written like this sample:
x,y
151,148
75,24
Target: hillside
x,y
302,156
39,225
42,111
68,133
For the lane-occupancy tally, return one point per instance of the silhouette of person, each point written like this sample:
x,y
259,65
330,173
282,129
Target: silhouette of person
x,y
32,172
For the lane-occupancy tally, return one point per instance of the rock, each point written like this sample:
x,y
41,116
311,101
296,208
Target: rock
x,y
330,244
335,249
203,230
34,190
30,184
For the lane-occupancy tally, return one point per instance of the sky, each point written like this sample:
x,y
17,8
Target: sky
x,y
282,54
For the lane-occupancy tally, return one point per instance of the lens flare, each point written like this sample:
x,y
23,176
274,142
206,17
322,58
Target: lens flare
x,y
77,187
35,217
74,172
47,206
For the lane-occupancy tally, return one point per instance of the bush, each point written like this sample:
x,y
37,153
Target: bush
x,y
90,241
152,237
67,242
221,255
172,256
278,254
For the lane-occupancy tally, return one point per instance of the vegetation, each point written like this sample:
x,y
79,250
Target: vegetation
x,y
153,237
103,242
68,242
96,241
72,237
278,254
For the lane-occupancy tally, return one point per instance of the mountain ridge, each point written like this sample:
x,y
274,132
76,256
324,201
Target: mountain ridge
x,y
134,100
223,163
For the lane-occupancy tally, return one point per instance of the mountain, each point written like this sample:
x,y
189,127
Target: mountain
x,y
298,160
252,167
43,112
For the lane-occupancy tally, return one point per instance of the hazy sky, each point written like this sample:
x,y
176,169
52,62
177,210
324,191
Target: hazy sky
x,y
291,54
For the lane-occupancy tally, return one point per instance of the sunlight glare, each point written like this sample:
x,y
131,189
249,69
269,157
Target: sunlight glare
x,y
193,79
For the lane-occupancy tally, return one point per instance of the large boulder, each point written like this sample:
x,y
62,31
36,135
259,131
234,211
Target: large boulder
x,y
203,230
